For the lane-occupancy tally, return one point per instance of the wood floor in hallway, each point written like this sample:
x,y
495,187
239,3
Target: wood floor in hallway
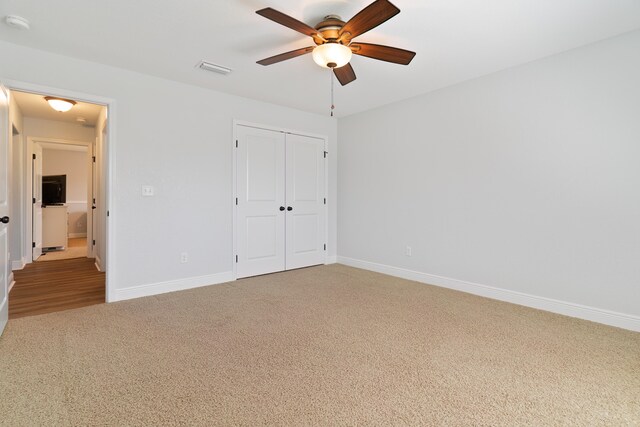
x,y
45,287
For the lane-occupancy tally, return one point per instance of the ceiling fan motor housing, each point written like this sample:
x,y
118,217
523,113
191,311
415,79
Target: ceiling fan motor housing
x,y
329,29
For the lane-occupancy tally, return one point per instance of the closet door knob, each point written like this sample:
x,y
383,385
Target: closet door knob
x,y
281,208
289,208
4,220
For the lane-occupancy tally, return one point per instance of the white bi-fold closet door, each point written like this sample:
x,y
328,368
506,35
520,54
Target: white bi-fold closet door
x,y
280,216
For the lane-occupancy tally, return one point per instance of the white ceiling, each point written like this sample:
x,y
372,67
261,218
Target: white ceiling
x,y
455,40
33,105
63,147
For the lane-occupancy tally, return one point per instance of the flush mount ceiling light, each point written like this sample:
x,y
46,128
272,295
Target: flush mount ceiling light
x,y
17,22
331,55
60,104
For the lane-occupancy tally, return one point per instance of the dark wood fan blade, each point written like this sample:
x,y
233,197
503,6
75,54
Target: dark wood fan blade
x,y
345,74
285,56
383,53
370,17
287,21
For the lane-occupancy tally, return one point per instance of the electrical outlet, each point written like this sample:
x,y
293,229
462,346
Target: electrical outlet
x,y
147,190
407,251
184,257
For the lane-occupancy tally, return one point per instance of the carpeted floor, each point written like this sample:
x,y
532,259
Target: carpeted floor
x,y
76,248
328,345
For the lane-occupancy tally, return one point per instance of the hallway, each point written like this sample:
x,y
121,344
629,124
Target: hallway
x,y
46,287
76,248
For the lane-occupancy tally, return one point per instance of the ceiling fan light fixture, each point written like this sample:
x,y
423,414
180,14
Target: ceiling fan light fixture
x,y
60,104
331,55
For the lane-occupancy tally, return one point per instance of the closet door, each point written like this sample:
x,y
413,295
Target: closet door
x,y
305,224
260,217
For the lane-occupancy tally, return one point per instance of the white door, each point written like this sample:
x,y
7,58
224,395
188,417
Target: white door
x,y
280,216
36,191
4,207
260,232
305,222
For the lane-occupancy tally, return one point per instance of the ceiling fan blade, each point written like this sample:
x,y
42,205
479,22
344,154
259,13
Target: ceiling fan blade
x,y
284,56
370,17
345,74
287,21
383,53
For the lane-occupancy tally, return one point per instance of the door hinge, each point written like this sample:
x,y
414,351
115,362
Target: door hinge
x,y
94,201
33,200
94,159
107,213
34,157
94,242
236,201
236,258
236,143
325,200
325,246
325,154
33,244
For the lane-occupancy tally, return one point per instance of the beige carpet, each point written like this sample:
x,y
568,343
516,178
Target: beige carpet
x,y
76,248
328,345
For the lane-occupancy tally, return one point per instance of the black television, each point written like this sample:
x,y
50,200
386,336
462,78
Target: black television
x,y
54,189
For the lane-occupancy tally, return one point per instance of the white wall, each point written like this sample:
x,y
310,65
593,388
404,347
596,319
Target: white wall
x,y
16,186
177,138
34,127
526,180
73,164
99,227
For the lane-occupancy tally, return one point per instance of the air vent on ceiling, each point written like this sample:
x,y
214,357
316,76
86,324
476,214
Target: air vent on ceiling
x,y
17,22
208,66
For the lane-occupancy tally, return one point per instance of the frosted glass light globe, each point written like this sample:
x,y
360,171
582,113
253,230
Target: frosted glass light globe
x,y
58,104
331,55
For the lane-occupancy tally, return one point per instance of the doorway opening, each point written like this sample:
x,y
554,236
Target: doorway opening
x,y
61,185
59,188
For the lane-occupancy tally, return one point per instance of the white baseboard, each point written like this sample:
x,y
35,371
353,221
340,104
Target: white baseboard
x,y
607,317
77,235
171,286
11,281
331,260
19,264
3,320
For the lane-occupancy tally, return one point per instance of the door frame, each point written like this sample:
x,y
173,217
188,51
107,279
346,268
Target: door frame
x,y
5,100
28,236
234,189
28,194
109,165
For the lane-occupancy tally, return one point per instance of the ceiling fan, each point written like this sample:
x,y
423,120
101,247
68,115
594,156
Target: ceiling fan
x,y
334,39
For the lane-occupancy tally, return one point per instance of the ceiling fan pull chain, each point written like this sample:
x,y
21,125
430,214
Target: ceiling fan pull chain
x,y
332,105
